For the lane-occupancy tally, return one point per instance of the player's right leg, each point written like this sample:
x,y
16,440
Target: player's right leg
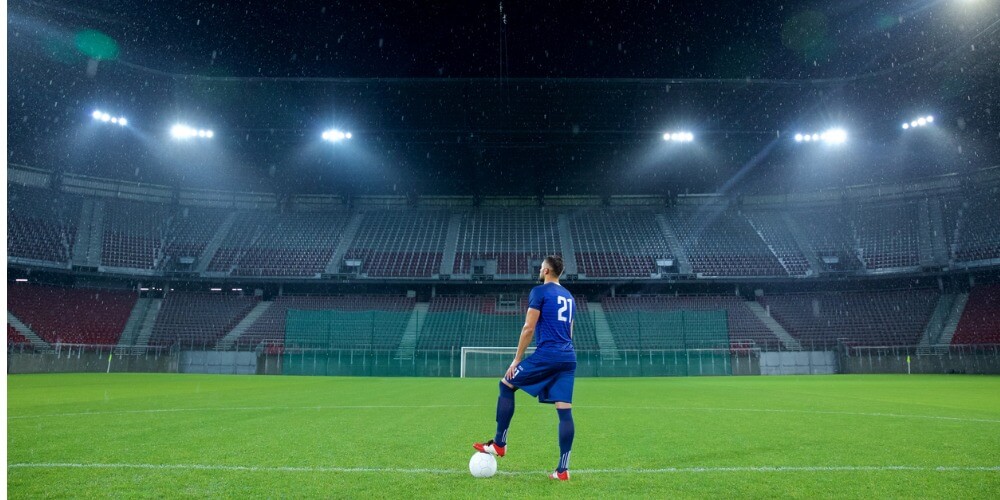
x,y
566,432
505,412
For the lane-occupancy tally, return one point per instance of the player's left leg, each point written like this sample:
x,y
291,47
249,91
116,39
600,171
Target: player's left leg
x,y
505,413
566,432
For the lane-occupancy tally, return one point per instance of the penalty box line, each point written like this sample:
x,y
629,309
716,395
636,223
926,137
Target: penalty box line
x,y
401,470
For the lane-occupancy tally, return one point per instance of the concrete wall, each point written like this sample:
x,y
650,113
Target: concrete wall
x,y
970,363
77,361
797,363
228,362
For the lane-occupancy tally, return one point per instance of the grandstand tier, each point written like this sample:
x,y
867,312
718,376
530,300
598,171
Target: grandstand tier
x,y
618,242
883,318
40,225
71,315
198,318
651,322
707,240
723,243
353,322
980,321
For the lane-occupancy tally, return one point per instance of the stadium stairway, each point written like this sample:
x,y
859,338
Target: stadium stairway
x,y
683,263
779,331
451,244
938,233
925,242
954,316
226,343
148,320
346,238
602,330
213,244
941,327
767,243
36,342
567,246
134,323
90,235
408,344
803,243
79,254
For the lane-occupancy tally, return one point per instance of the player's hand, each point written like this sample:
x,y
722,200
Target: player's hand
x,y
510,370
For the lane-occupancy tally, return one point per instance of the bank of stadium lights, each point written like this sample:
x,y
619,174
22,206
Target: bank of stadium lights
x,y
923,121
181,131
101,116
678,136
831,136
334,135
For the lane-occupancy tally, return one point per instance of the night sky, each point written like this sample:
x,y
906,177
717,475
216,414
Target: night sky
x,y
491,98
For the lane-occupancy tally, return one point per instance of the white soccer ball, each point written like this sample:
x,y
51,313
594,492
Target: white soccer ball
x,y
483,465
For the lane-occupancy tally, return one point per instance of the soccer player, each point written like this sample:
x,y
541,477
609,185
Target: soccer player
x,y
548,373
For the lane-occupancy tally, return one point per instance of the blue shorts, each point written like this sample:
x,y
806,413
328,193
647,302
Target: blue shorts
x,y
549,381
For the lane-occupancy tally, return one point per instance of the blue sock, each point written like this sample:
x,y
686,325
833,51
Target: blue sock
x,y
566,431
505,412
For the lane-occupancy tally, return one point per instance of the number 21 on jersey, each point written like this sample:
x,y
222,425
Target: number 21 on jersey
x,y
567,305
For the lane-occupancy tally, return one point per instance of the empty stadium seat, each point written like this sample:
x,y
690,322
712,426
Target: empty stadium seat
x,y
723,243
198,319
380,325
400,243
41,224
617,242
511,237
980,321
978,230
876,318
633,331
454,322
133,234
269,244
71,315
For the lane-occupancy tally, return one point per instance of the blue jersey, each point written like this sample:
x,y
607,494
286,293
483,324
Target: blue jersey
x,y
553,338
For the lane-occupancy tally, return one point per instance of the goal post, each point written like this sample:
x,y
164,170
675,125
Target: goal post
x,y
487,361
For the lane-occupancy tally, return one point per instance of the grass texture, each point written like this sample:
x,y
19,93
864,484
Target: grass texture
x,y
170,436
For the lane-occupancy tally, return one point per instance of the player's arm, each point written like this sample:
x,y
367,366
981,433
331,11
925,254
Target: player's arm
x,y
527,333
571,330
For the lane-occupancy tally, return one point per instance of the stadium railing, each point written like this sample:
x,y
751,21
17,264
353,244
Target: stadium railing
x,y
274,358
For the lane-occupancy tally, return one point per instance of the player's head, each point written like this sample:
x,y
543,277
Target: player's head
x,y
552,268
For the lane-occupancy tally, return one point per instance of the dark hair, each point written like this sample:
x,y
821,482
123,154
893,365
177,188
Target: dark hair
x,y
555,263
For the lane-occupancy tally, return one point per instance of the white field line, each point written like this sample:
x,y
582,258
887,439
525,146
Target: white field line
x,y
807,412
579,407
399,470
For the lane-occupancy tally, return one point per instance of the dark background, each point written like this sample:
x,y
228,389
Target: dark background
x,y
541,98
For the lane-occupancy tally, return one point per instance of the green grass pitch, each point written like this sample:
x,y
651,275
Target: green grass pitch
x,y
166,435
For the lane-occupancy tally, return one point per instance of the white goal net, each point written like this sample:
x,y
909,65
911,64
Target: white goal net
x,y
488,361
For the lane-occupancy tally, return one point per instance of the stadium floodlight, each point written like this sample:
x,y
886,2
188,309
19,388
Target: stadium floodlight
x,y
835,136
181,131
334,135
101,116
923,121
682,136
830,136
